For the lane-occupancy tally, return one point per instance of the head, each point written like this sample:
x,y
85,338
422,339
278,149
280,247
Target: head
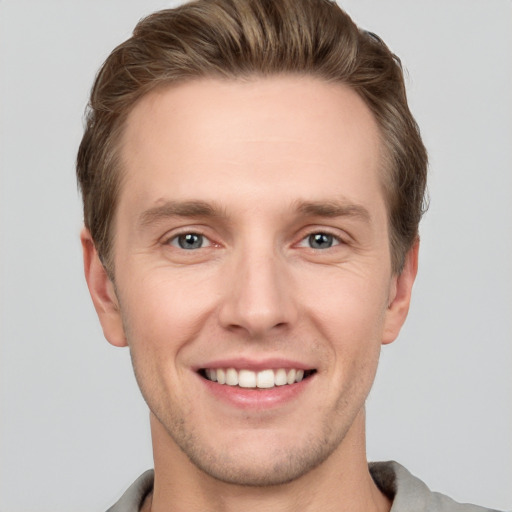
x,y
237,39
252,183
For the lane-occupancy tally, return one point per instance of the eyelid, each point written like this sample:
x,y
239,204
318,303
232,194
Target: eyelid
x,y
305,241
173,241
170,238
340,239
173,236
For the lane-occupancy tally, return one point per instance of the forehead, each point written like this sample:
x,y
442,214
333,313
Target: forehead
x,y
290,135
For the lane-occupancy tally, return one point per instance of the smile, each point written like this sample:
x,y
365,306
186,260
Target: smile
x,y
263,379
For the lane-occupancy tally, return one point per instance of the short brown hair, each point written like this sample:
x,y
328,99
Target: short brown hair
x,y
240,38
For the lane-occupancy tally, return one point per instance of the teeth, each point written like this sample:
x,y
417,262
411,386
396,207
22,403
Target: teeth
x,y
247,379
231,377
263,379
221,376
281,378
211,374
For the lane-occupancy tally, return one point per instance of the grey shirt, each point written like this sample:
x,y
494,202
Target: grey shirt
x,y
408,493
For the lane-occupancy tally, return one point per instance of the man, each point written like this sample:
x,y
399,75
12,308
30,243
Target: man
x,y
253,182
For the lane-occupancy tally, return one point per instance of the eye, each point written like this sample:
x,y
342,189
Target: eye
x,y
190,241
320,241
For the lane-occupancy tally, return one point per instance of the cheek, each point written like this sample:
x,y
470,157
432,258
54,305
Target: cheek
x,y
349,312
162,317
348,305
164,307
161,322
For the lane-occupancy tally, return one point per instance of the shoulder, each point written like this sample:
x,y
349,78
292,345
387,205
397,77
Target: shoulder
x,y
410,493
132,499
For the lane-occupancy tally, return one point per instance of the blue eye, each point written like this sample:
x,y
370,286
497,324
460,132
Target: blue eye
x,y
321,240
190,241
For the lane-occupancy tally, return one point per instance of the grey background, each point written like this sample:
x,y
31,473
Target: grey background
x,y
73,428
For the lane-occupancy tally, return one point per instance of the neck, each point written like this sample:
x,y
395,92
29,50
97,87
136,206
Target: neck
x,y
341,483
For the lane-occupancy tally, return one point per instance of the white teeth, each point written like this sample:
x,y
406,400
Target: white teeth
x,y
221,376
291,376
231,377
280,377
247,379
263,379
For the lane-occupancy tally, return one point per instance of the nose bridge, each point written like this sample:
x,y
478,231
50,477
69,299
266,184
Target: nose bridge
x,y
259,295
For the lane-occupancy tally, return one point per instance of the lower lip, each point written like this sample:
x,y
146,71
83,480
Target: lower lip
x,y
256,398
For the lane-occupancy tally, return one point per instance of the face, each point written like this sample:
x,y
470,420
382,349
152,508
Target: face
x,y
252,247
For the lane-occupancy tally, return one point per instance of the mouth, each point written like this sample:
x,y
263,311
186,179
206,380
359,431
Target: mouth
x,y
249,379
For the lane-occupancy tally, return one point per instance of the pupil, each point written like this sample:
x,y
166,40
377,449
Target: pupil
x,y
190,241
320,241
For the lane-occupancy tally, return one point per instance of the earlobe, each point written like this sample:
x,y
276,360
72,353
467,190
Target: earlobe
x,y
400,296
102,292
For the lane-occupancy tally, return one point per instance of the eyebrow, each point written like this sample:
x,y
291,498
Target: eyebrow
x,y
178,209
341,208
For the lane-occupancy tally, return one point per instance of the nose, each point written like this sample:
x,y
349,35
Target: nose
x,y
258,298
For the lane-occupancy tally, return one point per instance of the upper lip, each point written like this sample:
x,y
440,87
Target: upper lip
x,y
255,364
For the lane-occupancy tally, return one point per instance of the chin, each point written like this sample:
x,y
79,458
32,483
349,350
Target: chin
x,y
267,461
276,469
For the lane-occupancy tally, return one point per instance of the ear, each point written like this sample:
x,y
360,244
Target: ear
x,y
102,292
400,295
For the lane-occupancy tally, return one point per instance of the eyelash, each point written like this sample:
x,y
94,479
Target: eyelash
x,y
174,241
336,240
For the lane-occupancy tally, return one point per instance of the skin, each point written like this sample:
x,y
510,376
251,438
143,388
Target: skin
x,y
275,160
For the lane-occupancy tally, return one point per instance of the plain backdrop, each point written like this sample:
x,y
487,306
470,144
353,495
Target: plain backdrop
x,y
73,428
